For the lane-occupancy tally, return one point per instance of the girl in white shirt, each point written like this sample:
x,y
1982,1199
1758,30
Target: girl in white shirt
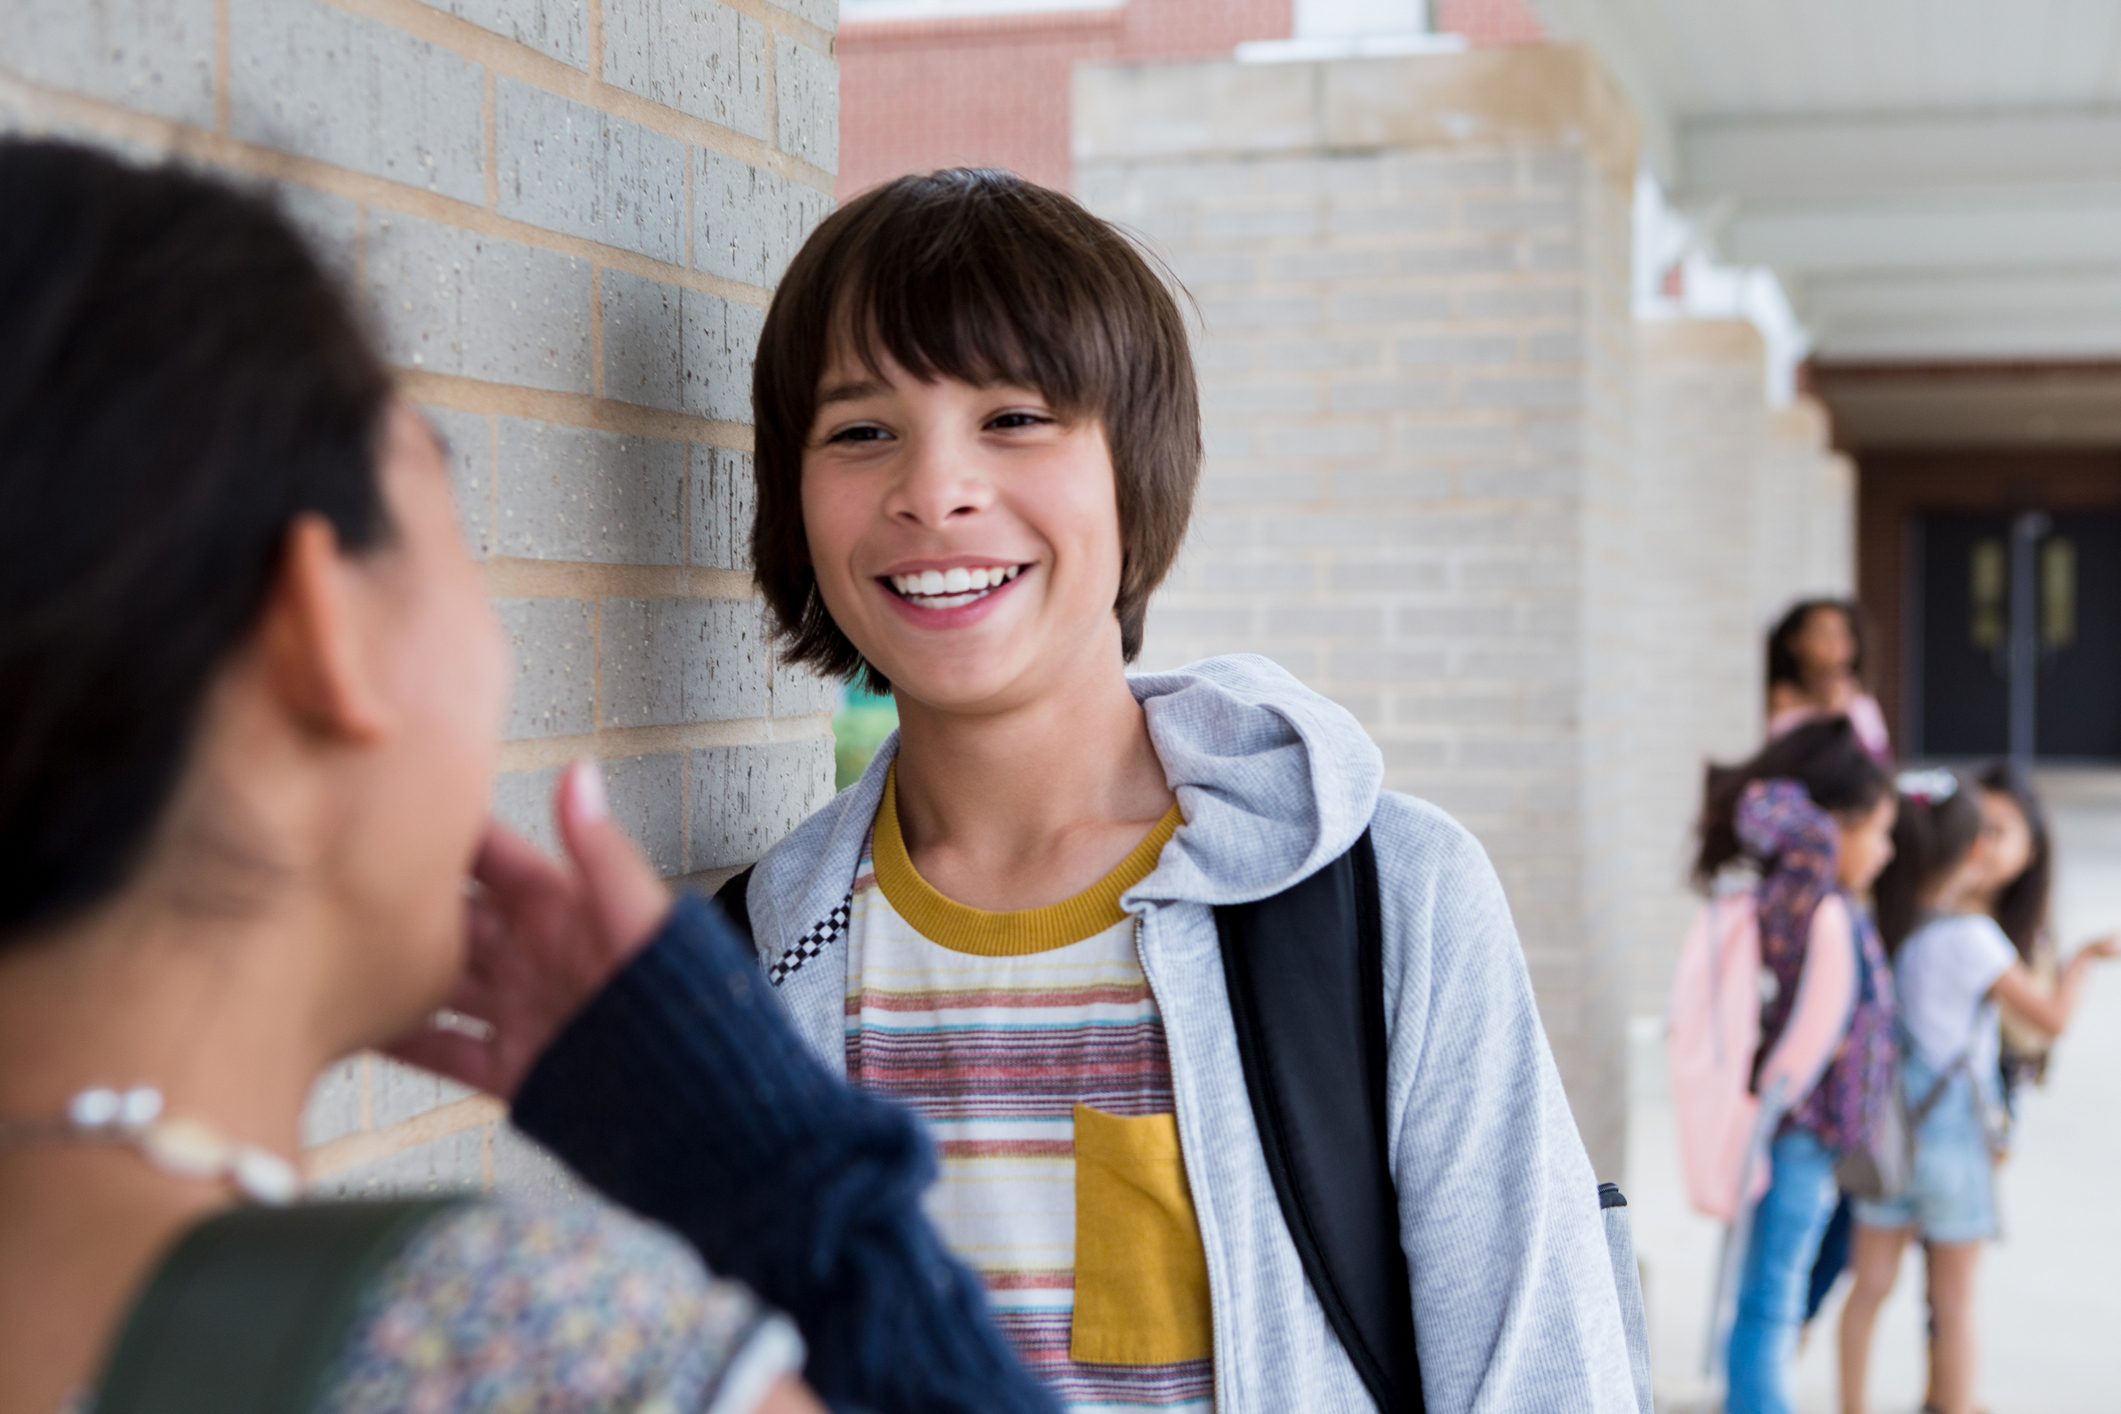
x,y
1960,849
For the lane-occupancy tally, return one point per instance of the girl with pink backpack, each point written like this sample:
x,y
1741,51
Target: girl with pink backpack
x,y
1813,815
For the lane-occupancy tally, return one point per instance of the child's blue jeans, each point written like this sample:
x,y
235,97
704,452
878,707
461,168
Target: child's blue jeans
x,y
1787,1226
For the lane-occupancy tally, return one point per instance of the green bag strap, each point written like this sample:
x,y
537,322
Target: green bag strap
x,y
250,1309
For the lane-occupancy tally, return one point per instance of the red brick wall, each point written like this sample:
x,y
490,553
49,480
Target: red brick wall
x,y
1489,21
994,91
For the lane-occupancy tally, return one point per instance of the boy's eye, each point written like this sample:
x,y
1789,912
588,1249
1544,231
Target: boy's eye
x,y
1009,421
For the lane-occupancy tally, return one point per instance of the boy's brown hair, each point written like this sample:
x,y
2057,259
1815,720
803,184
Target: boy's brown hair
x,y
980,276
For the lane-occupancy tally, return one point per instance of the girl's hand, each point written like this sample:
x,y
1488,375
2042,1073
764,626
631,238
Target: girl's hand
x,y
2100,949
544,939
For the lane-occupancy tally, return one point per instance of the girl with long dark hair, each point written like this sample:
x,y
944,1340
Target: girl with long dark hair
x,y
1965,855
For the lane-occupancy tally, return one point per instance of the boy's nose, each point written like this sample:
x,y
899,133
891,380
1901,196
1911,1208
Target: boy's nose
x,y
938,484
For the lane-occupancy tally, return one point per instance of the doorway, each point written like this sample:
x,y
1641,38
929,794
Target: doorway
x,y
1968,579
1935,573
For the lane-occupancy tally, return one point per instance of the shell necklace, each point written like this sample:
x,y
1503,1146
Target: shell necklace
x,y
186,1148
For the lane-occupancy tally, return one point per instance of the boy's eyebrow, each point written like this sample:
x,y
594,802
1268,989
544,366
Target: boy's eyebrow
x,y
849,392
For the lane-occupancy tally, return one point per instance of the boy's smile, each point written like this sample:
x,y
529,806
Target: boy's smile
x,y
932,588
965,537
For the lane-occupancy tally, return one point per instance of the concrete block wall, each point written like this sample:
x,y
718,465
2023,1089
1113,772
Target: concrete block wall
x,y
1610,735
564,219
1811,502
1702,441
1412,276
1742,509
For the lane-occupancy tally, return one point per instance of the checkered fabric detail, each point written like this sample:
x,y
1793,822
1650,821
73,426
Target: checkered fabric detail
x,y
820,937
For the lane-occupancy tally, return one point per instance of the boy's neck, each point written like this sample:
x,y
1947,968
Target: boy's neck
x,y
1008,783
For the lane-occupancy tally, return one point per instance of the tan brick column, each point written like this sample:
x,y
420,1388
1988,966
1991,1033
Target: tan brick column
x,y
1703,472
1809,501
1416,352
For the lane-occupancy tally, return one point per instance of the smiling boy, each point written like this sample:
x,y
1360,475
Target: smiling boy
x,y
978,441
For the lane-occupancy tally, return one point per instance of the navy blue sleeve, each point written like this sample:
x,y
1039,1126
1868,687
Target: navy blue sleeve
x,y
684,1093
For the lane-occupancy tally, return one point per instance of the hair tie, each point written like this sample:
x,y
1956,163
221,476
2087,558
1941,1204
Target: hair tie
x,y
1927,788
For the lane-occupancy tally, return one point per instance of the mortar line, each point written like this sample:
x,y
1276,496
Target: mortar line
x,y
493,484
359,1150
684,812
625,743
224,48
493,143
596,329
596,663
510,578
692,255
779,21
769,82
461,394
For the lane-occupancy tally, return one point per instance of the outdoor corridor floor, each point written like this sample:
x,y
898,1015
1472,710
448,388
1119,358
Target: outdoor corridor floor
x,y
2050,1296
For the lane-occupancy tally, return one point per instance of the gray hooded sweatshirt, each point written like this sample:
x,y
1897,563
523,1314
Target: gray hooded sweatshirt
x,y
1515,1303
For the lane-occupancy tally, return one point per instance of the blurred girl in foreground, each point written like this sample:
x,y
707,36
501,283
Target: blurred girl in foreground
x,y
250,703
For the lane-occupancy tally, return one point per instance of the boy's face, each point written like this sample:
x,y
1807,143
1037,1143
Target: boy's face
x,y
965,539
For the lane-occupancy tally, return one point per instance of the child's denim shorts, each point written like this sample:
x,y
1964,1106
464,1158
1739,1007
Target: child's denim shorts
x,y
1953,1195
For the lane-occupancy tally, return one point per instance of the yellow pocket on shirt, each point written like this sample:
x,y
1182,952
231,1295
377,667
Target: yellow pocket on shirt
x,y
1141,1275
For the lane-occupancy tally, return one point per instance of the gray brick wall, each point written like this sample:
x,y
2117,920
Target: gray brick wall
x,y
563,219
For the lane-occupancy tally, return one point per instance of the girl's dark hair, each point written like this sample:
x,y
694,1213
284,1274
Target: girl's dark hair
x,y
178,381
1783,669
980,276
1931,836
2022,907
1825,757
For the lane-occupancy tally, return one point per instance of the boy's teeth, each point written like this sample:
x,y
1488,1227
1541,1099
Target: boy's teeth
x,y
928,584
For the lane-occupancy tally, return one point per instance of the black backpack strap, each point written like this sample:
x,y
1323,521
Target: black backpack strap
x,y
1310,1017
251,1308
731,898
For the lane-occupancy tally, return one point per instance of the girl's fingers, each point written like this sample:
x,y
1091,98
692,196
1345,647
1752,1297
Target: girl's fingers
x,y
513,868
486,933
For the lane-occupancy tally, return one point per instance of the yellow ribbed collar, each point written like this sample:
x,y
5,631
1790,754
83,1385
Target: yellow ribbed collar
x,y
1031,930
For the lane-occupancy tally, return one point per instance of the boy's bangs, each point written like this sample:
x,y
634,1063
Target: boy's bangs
x,y
979,314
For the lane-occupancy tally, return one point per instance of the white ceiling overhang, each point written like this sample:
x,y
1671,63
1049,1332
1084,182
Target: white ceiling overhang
x,y
1932,180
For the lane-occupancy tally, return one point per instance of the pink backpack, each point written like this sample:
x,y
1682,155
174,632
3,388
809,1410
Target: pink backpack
x,y
1712,1036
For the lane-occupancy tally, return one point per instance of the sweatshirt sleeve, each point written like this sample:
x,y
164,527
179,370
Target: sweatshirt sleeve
x,y
684,1093
1515,1302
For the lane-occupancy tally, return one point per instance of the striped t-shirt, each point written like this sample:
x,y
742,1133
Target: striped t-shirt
x,y
1031,1044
